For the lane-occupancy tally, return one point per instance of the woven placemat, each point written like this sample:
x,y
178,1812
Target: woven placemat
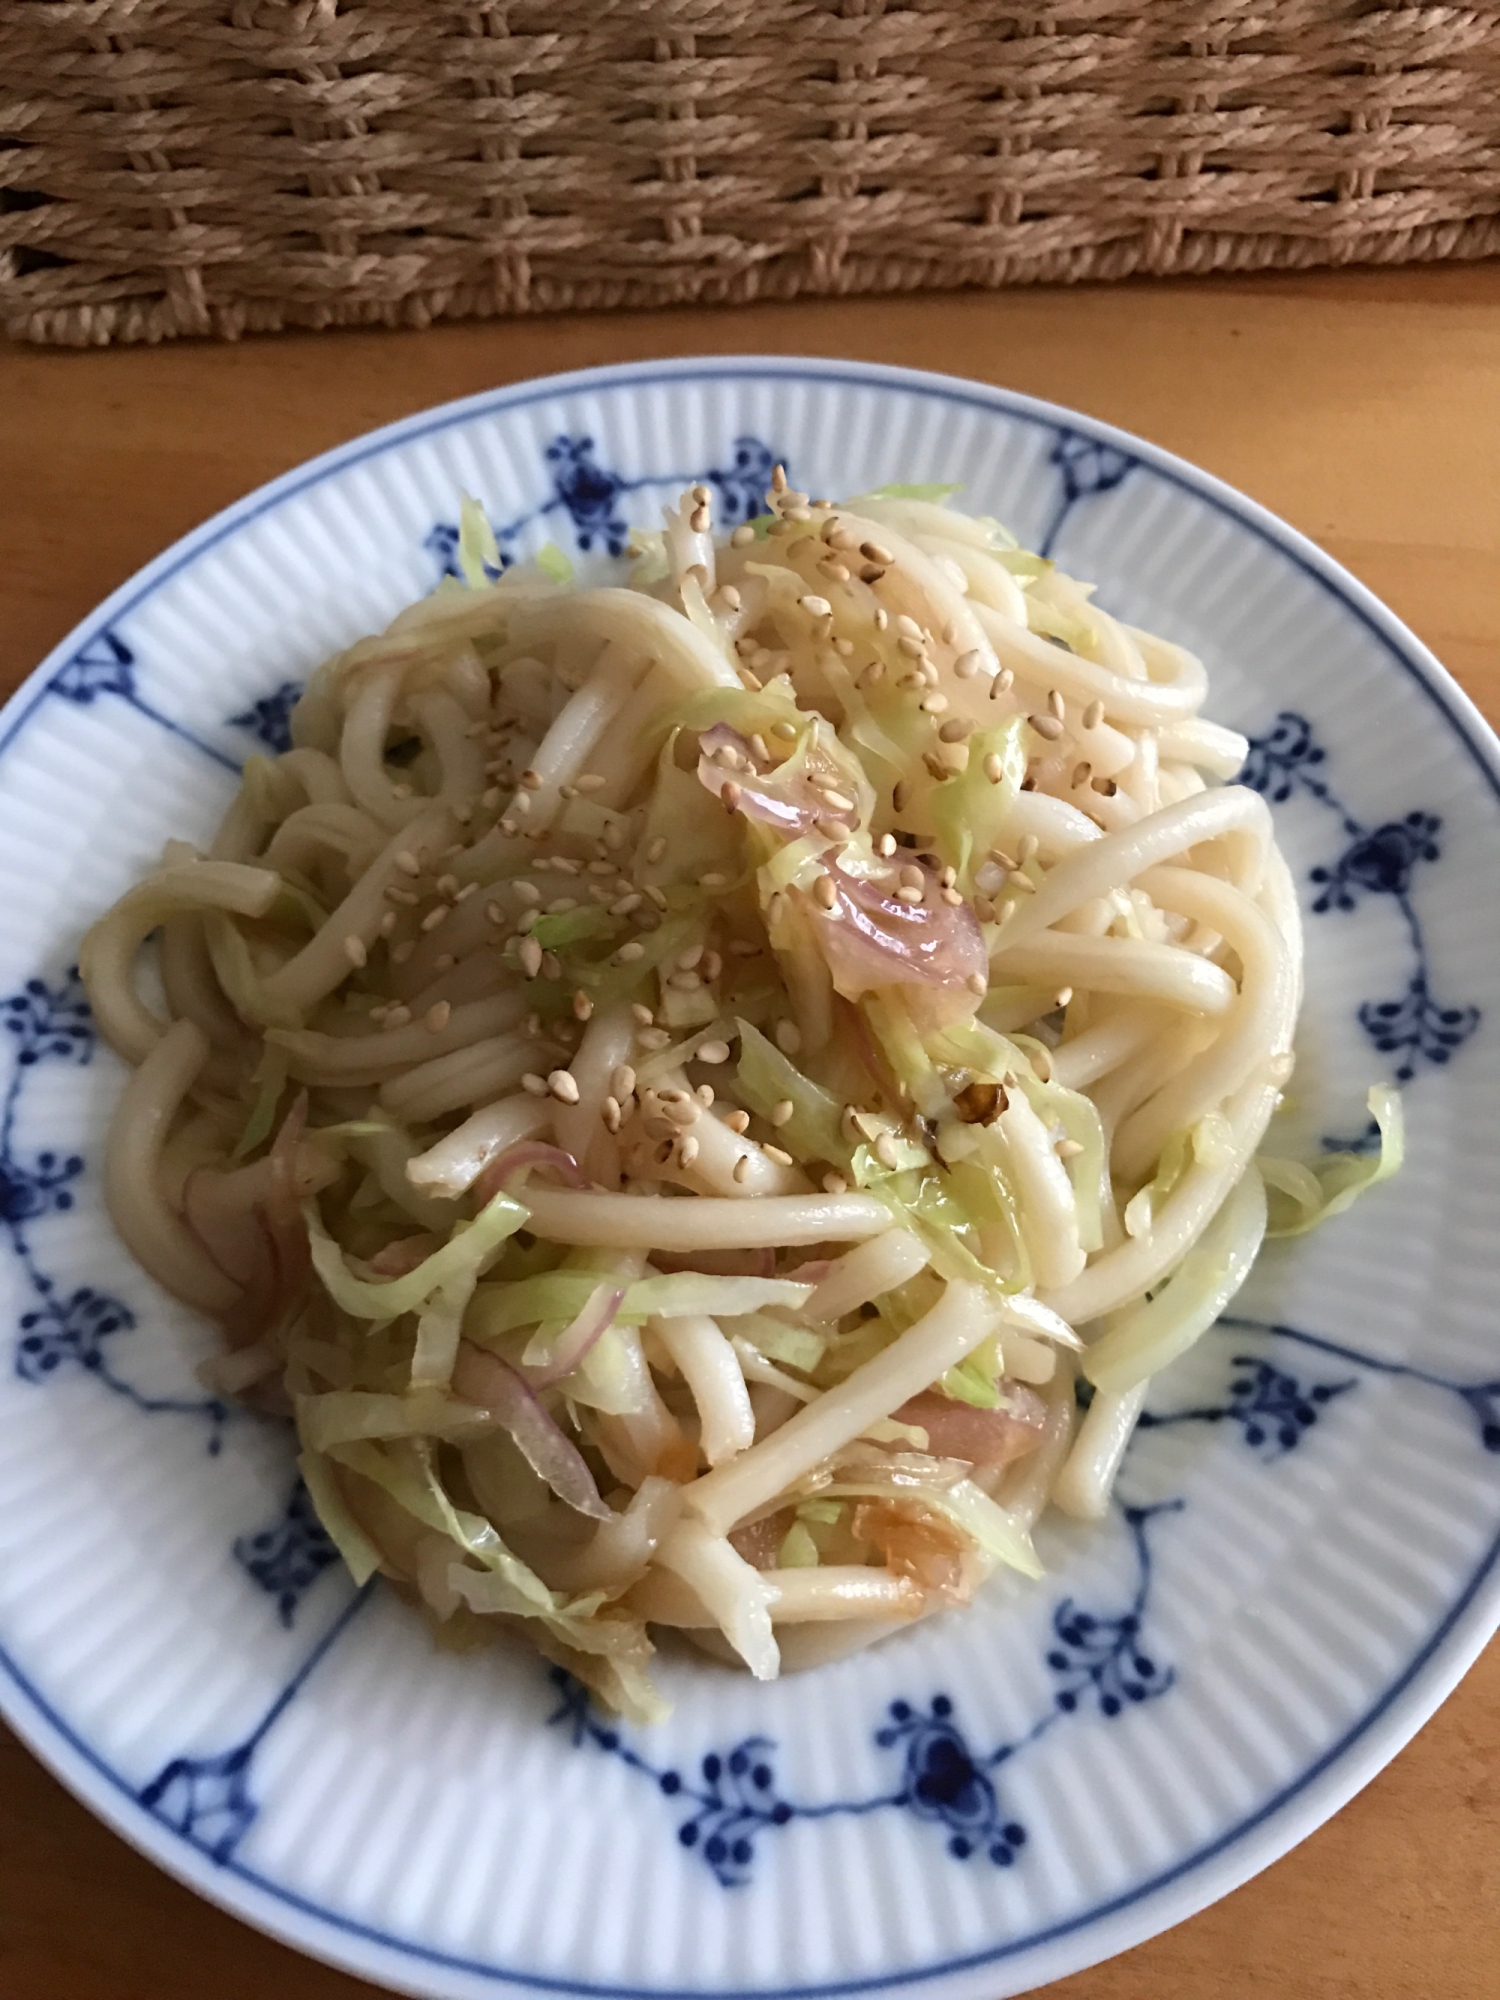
x,y
217,166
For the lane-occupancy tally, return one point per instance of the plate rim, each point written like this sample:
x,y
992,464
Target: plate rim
x,y
1197,1878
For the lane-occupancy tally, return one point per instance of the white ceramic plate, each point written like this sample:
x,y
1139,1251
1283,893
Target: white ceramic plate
x,y
1303,1561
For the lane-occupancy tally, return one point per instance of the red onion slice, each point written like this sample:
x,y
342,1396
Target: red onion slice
x,y
520,1158
983,1437
491,1384
876,940
575,1342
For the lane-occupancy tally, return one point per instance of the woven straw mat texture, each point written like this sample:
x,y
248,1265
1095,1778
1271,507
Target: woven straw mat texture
x,y
217,166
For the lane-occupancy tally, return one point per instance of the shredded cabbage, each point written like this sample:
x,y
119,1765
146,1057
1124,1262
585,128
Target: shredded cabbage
x,y
1301,1196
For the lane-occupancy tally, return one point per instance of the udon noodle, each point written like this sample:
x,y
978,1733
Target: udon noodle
x,y
676,1085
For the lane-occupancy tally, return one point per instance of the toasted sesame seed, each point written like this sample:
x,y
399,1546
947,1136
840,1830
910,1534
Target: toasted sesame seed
x,y
1003,860
885,1150
750,682
900,793
799,513
836,800
400,953
835,1184
788,1037
714,1052
534,1085
437,1016
1028,847
1106,787
531,957
713,879
1080,775
447,885
561,906
489,798
531,781
408,863
743,948
527,892
994,767
687,1152
1064,996
1093,715
817,607
625,904
834,571
684,982
508,827
1068,1149
388,923
551,965
936,768
984,909
911,682
629,952
955,729
613,836
583,1006
521,804
612,1115
657,896
844,648
563,1085
911,877
908,625
525,921
1022,881
435,916
729,794
698,520
952,897
882,618
396,1017
1056,705
977,983
642,1014
877,553
933,704
653,1038
871,675
912,896
689,958
741,1168
778,479
600,865
1041,1062
782,1159
912,648
680,1109
395,894
1047,726
401,790
787,731
354,950
737,1120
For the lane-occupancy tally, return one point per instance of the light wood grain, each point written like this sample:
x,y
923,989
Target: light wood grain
x,y
1364,407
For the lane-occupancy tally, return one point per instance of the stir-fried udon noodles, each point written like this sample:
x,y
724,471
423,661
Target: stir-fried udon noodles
x,y
678,1085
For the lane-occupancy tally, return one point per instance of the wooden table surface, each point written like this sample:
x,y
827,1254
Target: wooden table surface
x,y
1364,407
